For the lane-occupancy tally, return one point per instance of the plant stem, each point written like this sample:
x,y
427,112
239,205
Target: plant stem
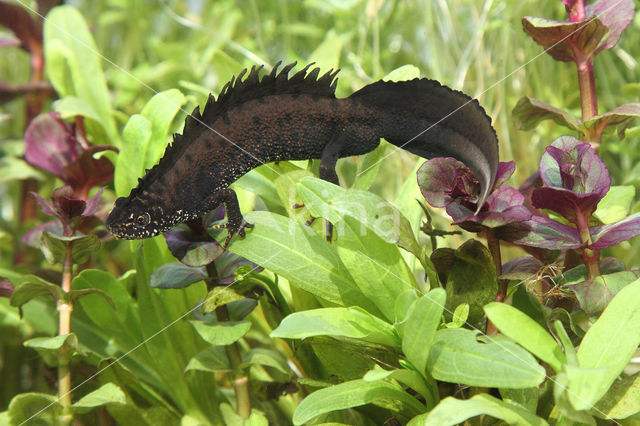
x,y
240,378
591,258
494,248
588,97
64,328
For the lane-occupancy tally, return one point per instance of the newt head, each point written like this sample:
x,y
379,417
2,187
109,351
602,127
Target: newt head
x,y
134,219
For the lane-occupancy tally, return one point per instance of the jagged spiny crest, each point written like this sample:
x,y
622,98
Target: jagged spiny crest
x,y
238,91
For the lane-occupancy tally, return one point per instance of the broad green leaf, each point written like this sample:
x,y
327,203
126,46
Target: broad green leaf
x,y
353,323
256,418
372,211
49,347
405,72
458,357
136,136
526,397
564,409
213,358
220,296
301,256
327,54
31,286
74,65
622,400
355,394
420,327
34,408
616,204
108,393
526,332
267,358
402,304
613,338
222,333
410,378
70,106
368,167
452,411
160,111
584,385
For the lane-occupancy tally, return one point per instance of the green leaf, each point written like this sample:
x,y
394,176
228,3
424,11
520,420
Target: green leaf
x,y
108,393
405,72
31,286
160,111
460,316
220,296
420,327
49,347
301,256
70,106
458,357
353,323
136,136
82,246
355,394
526,397
372,211
74,295
526,332
613,338
34,408
402,304
267,358
452,411
176,275
74,68
618,118
222,333
368,167
622,400
616,204
595,294
410,378
231,418
584,385
327,54
470,277
213,358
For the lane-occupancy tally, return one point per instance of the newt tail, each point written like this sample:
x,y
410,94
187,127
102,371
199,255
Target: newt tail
x,y
280,118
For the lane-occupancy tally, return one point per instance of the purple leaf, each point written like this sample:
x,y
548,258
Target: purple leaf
x,y
176,275
529,112
541,232
575,177
66,204
616,15
614,233
28,30
93,203
566,41
9,92
565,202
503,206
228,263
443,180
46,206
86,171
575,9
32,238
521,268
190,250
505,171
526,189
50,144
618,118
6,288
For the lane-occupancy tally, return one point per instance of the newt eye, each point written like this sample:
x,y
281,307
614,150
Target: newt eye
x,y
142,220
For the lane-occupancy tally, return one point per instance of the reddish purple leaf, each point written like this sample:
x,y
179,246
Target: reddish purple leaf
x,y
595,294
6,288
86,172
503,206
9,92
542,232
50,144
618,118
575,9
27,29
47,207
191,250
32,238
521,268
505,171
443,180
616,15
93,203
575,178
614,233
529,112
66,204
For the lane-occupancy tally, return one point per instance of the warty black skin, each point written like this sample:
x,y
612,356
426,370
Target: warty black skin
x,y
298,118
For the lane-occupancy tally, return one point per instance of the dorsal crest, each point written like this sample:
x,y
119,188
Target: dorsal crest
x,y
236,92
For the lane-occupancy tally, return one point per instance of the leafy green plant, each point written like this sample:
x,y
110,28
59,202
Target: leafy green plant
x,y
284,328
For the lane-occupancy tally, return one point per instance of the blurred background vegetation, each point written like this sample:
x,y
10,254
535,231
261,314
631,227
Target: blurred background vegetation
x,y
475,46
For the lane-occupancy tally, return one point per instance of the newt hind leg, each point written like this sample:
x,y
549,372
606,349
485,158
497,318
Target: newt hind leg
x,y
235,221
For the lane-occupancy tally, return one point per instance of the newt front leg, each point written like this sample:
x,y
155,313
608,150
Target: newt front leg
x,y
235,221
